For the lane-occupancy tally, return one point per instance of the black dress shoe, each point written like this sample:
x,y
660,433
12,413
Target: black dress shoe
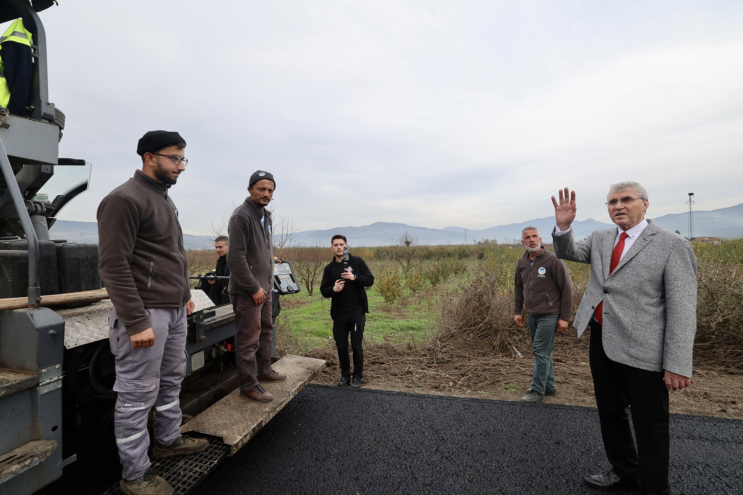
x,y
356,382
345,381
608,481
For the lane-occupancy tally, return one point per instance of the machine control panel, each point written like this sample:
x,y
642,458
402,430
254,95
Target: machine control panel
x,y
284,280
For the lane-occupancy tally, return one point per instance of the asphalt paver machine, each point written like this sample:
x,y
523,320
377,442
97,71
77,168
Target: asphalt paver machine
x,y
56,367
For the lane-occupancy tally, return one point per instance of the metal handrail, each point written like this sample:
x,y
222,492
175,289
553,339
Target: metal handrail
x,y
34,290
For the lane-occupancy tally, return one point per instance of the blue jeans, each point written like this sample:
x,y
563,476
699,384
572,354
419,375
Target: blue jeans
x,y
542,330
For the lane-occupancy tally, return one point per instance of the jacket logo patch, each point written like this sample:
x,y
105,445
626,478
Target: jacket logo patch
x,y
542,271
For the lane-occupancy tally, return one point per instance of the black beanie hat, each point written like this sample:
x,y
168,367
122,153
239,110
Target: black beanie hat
x,y
154,141
260,175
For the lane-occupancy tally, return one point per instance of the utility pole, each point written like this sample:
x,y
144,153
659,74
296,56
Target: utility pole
x,y
691,215
465,237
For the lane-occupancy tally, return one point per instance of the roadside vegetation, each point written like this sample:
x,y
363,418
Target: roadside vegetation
x,y
438,307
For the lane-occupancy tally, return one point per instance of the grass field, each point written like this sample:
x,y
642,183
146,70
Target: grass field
x,y
306,322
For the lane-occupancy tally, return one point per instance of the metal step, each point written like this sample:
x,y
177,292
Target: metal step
x,y
184,473
24,458
236,420
230,423
12,381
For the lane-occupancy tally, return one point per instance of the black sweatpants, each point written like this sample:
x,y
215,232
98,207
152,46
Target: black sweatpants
x,y
350,320
618,386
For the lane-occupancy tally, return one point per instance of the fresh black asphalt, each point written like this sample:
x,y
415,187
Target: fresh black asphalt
x,y
342,441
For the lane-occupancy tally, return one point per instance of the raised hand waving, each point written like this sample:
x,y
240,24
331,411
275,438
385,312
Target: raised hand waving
x,y
566,209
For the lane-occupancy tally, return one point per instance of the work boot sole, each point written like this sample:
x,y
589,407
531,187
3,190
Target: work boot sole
x,y
124,488
247,397
160,454
265,379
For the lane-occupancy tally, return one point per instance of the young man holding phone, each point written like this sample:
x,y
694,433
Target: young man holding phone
x,y
344,281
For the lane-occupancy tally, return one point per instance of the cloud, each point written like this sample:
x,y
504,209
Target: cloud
x,y
434,114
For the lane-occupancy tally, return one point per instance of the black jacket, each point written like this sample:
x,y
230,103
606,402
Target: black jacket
x,y
364,278
219,293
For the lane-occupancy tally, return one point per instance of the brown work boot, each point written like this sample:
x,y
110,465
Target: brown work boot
x,y
182,446
149,484
258,394
274,376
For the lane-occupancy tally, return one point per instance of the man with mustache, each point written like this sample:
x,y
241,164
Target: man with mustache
x,y
144,266
542,284
641,306
250,259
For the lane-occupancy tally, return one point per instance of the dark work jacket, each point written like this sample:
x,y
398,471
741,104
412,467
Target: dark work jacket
x,y
142,260
219,292
543,286
364,278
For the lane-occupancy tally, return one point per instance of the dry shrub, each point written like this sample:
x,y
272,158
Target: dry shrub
x,y
719,339
480,311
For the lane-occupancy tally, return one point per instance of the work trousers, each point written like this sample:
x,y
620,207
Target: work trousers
x,y
148,377
542,330
253,339
618,386
350,320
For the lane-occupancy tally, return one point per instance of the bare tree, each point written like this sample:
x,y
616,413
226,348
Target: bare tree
x,y
220,227
308,264
283,234
405,239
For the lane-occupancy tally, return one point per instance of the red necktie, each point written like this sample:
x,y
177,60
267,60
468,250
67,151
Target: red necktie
x,y
616,255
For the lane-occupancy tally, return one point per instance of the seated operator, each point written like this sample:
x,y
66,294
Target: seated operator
x,y
16,68
345,280
218,293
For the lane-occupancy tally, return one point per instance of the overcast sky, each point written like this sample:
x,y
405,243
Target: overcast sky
x,y
433,114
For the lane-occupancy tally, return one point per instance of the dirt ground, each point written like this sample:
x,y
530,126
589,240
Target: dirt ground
x,y
712,393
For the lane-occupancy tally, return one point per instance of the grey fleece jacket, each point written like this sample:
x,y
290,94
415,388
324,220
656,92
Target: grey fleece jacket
x,y
250,257
543,286
142,261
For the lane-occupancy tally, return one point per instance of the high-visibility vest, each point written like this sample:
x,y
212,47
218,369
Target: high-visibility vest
x,y
19,34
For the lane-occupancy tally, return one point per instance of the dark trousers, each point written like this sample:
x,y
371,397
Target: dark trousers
x,y
618,386
350,320
253,339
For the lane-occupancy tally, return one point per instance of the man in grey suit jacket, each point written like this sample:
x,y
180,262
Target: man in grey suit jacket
x,y
641,306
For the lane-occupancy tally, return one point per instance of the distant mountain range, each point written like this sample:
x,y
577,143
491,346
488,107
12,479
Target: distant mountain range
x,y
725,222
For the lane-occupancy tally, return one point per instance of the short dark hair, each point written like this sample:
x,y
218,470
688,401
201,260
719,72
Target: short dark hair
x,y
222,238
338,236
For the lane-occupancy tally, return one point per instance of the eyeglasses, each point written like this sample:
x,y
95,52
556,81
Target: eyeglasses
x,y
176,159
625,201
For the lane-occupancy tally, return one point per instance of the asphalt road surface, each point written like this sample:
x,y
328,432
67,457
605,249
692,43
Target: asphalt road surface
x,y
343,441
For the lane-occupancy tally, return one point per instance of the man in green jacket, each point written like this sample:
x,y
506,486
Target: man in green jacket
x,y
542,284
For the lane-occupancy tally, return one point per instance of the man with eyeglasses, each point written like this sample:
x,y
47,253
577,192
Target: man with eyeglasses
x,y
250,259
144,266
641,306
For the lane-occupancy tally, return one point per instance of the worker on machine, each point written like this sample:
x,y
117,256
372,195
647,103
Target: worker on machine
x,y
251,283
16,68
218,293
145,268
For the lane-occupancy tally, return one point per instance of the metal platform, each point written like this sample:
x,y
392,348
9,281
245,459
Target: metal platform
x,y
236,420
184,473
230,423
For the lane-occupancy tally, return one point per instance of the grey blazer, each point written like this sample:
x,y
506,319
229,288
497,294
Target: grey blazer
x,y
650,301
